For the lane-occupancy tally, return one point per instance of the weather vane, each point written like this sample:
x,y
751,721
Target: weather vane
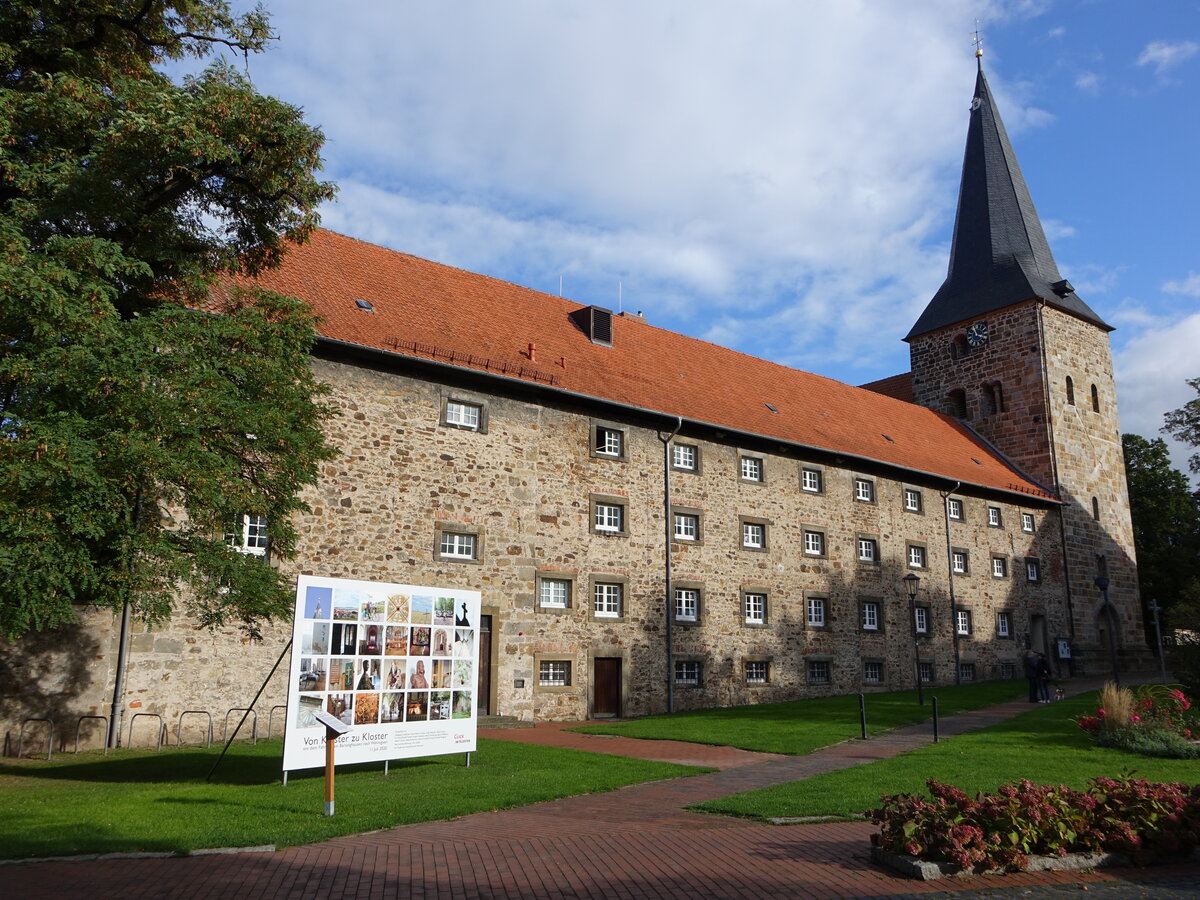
x,y
977,41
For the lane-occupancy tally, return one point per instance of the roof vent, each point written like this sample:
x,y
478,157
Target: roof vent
x,y
1062,288
596,323
888,438
364,305
771,408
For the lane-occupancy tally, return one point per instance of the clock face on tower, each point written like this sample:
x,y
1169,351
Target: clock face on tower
x,y
977,334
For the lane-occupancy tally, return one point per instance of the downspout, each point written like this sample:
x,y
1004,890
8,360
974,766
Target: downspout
x,y
950,572
668,533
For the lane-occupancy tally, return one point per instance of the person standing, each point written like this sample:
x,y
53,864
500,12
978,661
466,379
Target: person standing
x,y
1044,675
1030,666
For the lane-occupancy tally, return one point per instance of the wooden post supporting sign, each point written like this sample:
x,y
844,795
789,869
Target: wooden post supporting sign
x,y
334,727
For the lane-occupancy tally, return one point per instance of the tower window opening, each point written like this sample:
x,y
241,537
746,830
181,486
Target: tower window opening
x,y
993,399
1095,509
1095,399
959,347
1070,390
958,403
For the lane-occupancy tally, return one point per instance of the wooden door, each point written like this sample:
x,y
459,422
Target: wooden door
x,y
606,687
483,686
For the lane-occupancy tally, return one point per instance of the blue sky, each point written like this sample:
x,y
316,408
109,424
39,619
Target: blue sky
x,y
775,177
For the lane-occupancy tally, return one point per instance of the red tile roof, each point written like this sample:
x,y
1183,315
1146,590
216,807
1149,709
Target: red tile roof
x,y
898,386
427,310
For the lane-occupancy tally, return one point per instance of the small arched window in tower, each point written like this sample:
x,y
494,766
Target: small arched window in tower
x,y
1070,390
993,398
1101,564
1095,509
1095,399
959,347
958,403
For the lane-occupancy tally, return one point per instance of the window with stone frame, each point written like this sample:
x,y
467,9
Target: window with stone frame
x,y
1027,524
464,415
959,561
999,567
754,607
608,441
554,673
868,550
687,604
754,535
966,672
954,508
912,500
554,593
752,468
869,615
925,672
1033,569
455,545
688,672
810,480
921,619
816,612
249,535
687,526
814,543
962,622
758,671
916,556
607,599
873,671
685,457
609,517
995,520
864,490
1003,625
820,671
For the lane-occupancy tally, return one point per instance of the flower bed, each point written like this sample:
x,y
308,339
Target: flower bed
x,y
1002,831
1152,721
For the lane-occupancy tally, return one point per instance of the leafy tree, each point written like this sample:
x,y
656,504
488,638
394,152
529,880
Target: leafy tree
x,y
1183,424
147,401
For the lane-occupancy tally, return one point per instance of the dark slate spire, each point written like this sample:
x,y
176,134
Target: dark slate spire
x,y
999,255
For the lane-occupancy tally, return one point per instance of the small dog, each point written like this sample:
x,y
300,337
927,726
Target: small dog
x,y
1060,694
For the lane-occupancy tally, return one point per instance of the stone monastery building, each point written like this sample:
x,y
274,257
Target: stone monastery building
x,y
652,518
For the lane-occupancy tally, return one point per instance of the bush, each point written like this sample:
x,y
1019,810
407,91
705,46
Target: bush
x,y
1149,742
1002,830
1154,720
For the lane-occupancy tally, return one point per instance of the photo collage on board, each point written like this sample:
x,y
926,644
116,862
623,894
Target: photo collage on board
x,y
373,657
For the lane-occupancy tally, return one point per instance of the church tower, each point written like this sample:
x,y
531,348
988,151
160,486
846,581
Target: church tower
x,y
1009,348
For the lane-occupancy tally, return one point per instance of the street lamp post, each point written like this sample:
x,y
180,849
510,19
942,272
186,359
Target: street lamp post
x,y
1155,609
1102,583
911,583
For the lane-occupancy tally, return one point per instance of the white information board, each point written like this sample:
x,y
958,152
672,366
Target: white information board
x,y
397,663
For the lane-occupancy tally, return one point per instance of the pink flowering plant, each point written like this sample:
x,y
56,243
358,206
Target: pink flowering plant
x,y
1154,720
1002,830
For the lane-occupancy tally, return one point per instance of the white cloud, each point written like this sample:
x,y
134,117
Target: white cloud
x,y
1152,369
1088,82
1189,286
1164,55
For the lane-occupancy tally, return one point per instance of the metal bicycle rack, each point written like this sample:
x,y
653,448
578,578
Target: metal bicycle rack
x,y
49,736
253,722
271,718
193,712
161,727
79,727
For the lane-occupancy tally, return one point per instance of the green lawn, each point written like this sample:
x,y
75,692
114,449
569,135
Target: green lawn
x,y
146,801
1043,745
801,726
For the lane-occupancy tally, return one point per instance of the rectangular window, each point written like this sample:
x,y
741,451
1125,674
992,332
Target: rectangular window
x,y
687,604
962,621
1033,569
683,456
608,442
458,546
814,543
464,415
816,612
966,672
925,671
868,550
754,535
994,519
818,671
999,567
554,673
870,616
912,500
554,593
810,480
873,671
1008,670
864,490
687,672
1002,625
755,608
251,537
757,671
958,561
687,527
752,468
954,508
1027,522
610,517
916,557
921,620
606,599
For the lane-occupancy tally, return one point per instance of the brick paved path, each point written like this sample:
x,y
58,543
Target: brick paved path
x,y
636,842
